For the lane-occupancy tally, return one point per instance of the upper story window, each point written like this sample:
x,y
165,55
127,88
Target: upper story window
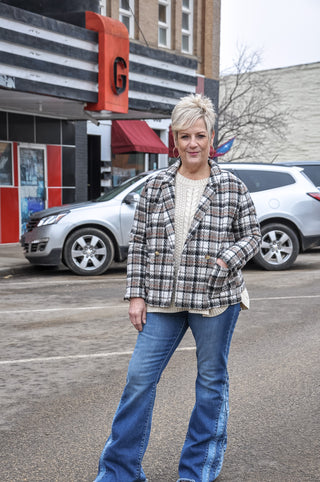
x,y
164,24
126,12
187,26
103,7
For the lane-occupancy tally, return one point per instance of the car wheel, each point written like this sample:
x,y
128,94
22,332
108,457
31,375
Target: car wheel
x,y
88,251
279,247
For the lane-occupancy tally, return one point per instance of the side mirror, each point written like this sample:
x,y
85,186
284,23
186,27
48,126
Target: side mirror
x,y
132,198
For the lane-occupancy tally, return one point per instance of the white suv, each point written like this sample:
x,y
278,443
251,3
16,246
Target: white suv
x,y
87,237
288,209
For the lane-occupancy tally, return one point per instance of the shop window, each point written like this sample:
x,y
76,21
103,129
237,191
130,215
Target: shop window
x,y
187,26
68,166
126,15
6,164
48,131
21,128
68,195
3,126
125,166
164,24
68,133
153,161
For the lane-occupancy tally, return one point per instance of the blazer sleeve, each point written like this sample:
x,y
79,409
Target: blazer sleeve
x,y
246,233
137,251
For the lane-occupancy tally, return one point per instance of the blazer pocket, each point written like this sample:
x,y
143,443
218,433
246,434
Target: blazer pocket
x,y
218,279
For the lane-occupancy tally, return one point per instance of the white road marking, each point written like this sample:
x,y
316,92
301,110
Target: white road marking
x,y
12,284
66,308
76,357
285,297
111,354
125,305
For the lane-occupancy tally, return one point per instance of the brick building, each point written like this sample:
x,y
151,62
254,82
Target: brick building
x,y
59,142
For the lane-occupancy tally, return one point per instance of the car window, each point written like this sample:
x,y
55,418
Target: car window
x,y
261,180
118,189
313,173
138,189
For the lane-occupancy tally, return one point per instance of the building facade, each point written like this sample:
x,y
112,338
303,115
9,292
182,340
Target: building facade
x,y
299,90
298,96
57,133
174,51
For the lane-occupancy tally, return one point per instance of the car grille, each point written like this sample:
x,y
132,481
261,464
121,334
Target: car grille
x,y
32,223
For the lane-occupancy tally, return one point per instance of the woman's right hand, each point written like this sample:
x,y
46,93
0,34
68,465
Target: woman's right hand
x,y
138,313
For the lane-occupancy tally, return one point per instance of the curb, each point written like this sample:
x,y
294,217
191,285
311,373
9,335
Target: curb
x,y
12,270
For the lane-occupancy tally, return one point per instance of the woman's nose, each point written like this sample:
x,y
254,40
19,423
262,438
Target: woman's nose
x,y
193,141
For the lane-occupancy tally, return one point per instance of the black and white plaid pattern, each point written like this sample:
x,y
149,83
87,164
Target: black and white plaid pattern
x,y
225,226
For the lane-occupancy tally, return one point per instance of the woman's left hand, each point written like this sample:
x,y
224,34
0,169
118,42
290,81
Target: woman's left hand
x,y
221,263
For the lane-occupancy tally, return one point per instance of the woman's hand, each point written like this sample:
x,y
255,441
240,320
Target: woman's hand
x,y
221,263
138,313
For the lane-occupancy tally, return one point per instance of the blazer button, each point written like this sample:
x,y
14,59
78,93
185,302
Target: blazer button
x,y
207,256
157,253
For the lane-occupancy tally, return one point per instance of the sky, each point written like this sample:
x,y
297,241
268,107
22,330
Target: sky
x,y
285,32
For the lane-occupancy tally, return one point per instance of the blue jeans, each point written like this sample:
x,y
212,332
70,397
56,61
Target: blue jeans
x,y
205,444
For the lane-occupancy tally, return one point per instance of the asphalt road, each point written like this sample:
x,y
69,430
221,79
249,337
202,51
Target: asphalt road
x,y
65,345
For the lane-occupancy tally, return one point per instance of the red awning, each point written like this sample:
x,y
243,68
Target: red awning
x,y
135,136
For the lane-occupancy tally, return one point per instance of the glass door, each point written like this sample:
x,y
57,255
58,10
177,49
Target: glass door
x,y
32,162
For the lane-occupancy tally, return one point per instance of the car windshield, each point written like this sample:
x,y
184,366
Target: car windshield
x,y
118,189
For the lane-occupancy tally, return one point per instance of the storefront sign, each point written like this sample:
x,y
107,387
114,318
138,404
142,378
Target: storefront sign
x,y
113,63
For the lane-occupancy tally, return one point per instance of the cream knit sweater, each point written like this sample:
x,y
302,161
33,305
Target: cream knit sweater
x,y
188,193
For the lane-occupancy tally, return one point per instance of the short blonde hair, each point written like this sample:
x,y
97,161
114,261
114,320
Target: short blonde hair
x,y
190,109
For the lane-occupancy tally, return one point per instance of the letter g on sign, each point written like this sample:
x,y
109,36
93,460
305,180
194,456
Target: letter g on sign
x,y
119,81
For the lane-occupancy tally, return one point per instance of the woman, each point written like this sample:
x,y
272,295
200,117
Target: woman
x,y
195,228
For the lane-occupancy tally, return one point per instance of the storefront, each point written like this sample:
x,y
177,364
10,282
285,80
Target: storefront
x,y
70,93
53,78
130,140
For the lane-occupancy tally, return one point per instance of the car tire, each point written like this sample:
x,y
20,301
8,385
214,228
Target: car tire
x,y
279,247
88,252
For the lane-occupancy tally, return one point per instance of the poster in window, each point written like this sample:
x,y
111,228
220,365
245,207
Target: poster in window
x,y
6,168
32,182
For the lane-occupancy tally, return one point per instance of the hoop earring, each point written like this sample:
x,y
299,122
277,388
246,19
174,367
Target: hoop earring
x,y
175,155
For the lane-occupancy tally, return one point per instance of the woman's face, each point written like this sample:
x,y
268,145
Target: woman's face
x,y
193,144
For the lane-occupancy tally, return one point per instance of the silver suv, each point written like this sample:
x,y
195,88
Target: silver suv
x,y
288,208
310,168
87,237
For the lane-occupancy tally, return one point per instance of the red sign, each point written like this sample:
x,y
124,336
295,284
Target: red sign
x,y
113,63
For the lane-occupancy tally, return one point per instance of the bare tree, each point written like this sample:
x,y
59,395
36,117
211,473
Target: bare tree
x,y
249,109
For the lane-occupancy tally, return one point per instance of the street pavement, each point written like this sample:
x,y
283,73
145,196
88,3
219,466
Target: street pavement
x,y
12,259
64,348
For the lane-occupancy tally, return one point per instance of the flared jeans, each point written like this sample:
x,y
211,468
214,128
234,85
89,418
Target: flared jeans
x,y
205,443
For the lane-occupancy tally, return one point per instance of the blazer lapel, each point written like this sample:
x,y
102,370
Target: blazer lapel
x,y
168,198
206,200
168,215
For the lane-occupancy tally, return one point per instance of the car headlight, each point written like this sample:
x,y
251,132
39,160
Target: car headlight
x,y
53,219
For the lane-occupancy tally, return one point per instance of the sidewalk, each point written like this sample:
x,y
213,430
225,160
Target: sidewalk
x,y
12,260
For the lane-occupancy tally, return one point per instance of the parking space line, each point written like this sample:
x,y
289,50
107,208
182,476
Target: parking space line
x,y
78,357
125,305
10,284
66,308
270,298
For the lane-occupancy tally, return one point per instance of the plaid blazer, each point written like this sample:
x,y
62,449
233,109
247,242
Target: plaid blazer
x,y
224,225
